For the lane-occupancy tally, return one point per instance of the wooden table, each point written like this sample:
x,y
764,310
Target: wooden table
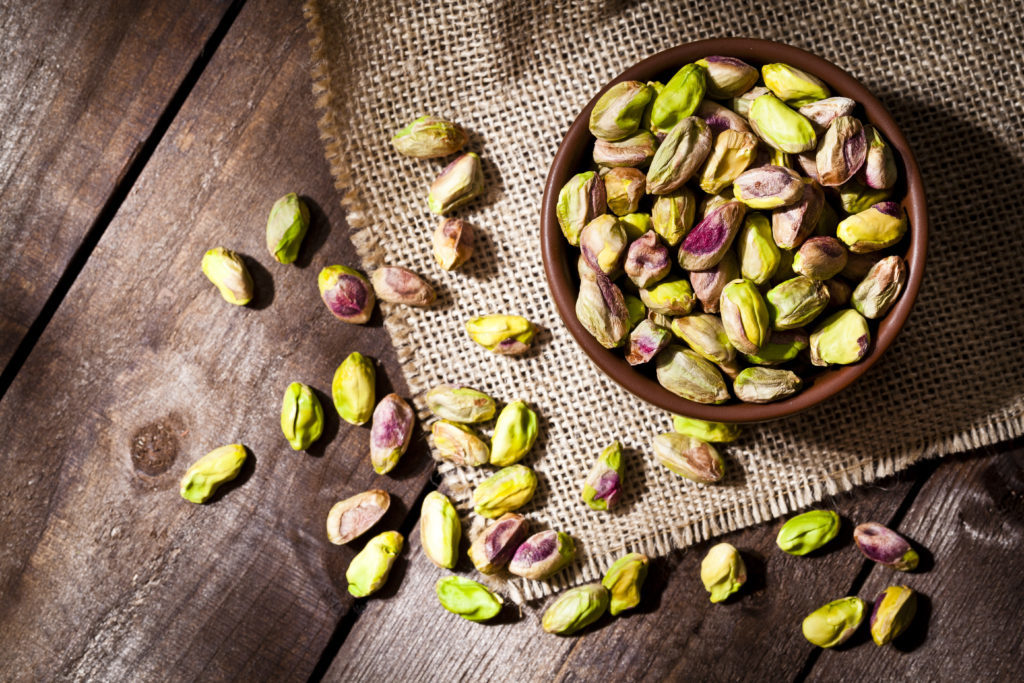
x,y
137,134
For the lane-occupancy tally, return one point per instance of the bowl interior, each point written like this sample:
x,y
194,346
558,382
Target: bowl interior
x,y
573,156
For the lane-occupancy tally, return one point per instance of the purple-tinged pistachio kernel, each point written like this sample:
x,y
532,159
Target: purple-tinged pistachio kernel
x,y
768,187
879,169
791,225
883,545
543,555
720,118
823,112
390,433
494,548
841,152
727,76
708,284
708,242
647,260
347,293
820,258
646,341
398,285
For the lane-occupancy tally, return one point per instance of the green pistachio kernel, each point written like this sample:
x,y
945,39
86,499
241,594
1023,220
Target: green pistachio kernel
x,y
225,269
705,430
440,530
514,433
722,572
210,471
369,570
467,598
834,623
792,85
808,532
286,227
302,418
508,489
503,334
603,484
679,98
353,389
893,611
575,609
624,580
843,338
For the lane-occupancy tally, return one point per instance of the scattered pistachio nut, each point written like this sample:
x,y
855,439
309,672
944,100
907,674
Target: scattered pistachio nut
x,y
508,489
618,111
843,338
397,285
672,215
679,156
580,201
603,485
353,389
205,475
689,457
841,151
765,385
792,85
879,170
646,341
808,531
731,153
745,316
792,224
624,188
543,555
440,530
458,184
685,373
603,244
679,98
460,404
302,417
722,571
796,302
459,444
820,258
834,623
495,546
347,294
727,76
708,284
286,227
575,609
758,254
514,433
768,187
880,288
780,126
883,545
636,150
893,611
225,269
624,581
502,334
452,243
352,517
429,137
706,430
467,598
369,569
708,242
390,432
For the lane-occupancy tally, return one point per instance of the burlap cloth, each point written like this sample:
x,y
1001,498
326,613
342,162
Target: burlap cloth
x,y
515,73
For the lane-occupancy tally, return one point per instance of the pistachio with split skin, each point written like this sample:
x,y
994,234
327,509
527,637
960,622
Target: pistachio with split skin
x,y
679,98
892,613
689,457
780,126
708,284
792,224
881,226
647,260
507,335
575,609
603,485
347,294
686,373
467,598
440,530
390,432
601,309
744,316
302,417
709,241
508,489
782,347
286,227
205,475
721,118
759,257
603,243
670,297
838,293
429,137
636,225
808,531
226,270
820,258
397,285
834,623
460,404
580,201
459,444
768,187
765,385
727,76
672,215
741,104
843,338
706,430
458,184
353,389
822,112
636,150
841,151
723,571
543,555
679,156
452,243
495,546
352,517
646,341
880,288
731,154
514,433
624,188
624,580
856,197
796,302
792,85
705,334
883,545
618,111
879,169
369,570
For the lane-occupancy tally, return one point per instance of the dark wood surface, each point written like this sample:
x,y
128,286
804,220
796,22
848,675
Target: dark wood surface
x,y
146,133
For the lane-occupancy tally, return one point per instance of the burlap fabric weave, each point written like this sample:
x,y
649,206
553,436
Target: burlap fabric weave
x,y
515,73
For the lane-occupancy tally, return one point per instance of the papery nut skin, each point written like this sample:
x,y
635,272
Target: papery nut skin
x,y
646,341
459,444
768,187
618,111
792,224
879,171
397,285
705,334
792,85
390,432
841,151
823,112
603,244
731,154
636,150
689,457
673,214
708,284
429,137
601,309
685,373
624,188
460,404
741,104
647,260
721,118
603,486
458,184
765,385
820,258
354,516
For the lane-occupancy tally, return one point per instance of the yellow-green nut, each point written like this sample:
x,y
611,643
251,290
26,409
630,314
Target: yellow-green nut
x,y
603,244
603,485
459,444
722,571
745,316
695,459
759,257
834,623
768,187
881,226
452,243
782,346
679,156
708,284
353,389
624,188
808,531
460,404
764,385
843,338
580,201
286,226
543,555
720,118
637,310
731,154
508,489
841,151
440,530
685,373
893,611
458,184
302,417
390,432
706,430
575,609
495,546
780,126
636,225
369,570
347,294
636,150
796,302
669,297
856,197
502,334
879,169
618,111
429,137
601,309
679,98
354,516
210,471
727,76
792,85
624,581
705,334
514,433
880,288
467,598
228,273
645,120
741,104
672,215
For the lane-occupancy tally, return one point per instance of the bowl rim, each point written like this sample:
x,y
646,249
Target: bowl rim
x,y
828,382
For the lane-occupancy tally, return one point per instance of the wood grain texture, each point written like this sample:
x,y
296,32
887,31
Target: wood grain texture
x,y
81,86
105,572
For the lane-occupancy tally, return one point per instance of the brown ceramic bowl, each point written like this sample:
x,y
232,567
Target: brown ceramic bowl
x,y
573,156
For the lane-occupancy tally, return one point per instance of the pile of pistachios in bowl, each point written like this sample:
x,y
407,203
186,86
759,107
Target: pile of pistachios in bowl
x,y
734,228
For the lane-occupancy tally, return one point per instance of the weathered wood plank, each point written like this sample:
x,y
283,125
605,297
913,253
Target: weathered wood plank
x,y
105,572
82,85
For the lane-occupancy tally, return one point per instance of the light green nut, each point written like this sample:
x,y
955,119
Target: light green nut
x,y
636,150
440,530
796,302
855,197
458,184
834,623
706,430
603,312
741,103
575,609
673,214
679,98
429,137
679,156
685,373
369,570
460,404
881,226
744,316
723,571
636,225
603,485
508,489
645,120
210,471
636,308
302,417
618,111
727,76
286,227
604,242
731,154
695,459
580,201
893,611
670,297
353,389
764,385
514,434
782,346
705,334
624,581
880,288
781,127
843,338
808,531
759,256
225,269
459,444
792,85
624,187
467,598
501,334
